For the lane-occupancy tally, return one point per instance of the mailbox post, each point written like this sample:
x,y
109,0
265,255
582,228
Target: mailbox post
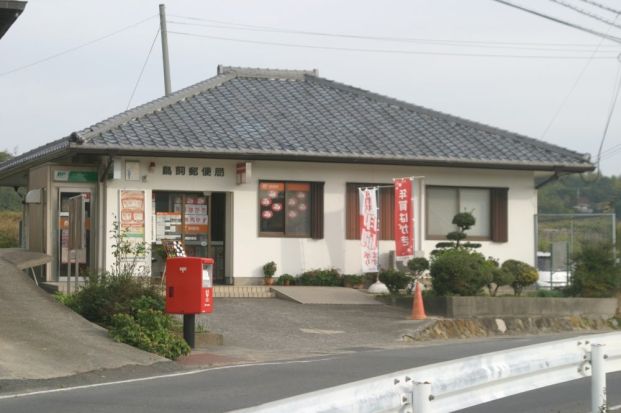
x,y
189,290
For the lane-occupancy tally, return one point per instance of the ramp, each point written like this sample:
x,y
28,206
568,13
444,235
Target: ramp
x,y
42,338
324,295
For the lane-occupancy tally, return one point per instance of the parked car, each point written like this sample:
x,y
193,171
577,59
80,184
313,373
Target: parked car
x,y
550,279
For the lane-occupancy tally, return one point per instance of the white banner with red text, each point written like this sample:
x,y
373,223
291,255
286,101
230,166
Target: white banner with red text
x,y
369,229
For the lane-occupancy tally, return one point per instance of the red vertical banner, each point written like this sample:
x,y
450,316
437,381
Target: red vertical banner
x,y
404,219
369,229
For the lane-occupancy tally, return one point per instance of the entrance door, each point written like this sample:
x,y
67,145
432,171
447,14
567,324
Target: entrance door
x,y
194,218
84,256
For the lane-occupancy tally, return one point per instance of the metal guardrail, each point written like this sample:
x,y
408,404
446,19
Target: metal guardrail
x,y
461,383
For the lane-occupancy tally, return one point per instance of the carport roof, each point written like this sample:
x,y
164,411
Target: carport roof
x,y
247,113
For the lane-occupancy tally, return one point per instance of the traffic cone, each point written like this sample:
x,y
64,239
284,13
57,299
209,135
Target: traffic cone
x,y
418,308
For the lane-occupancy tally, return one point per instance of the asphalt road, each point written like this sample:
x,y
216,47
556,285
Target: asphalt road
x,y
233,387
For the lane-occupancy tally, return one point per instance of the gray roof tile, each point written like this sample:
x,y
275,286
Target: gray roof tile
x,y
280,114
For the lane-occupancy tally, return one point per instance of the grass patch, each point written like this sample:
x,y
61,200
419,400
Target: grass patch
x,y
9,228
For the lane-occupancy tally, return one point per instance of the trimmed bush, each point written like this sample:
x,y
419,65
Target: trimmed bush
x,y
459,272
499,277
395,280
595,274
148,329
522,273
319,277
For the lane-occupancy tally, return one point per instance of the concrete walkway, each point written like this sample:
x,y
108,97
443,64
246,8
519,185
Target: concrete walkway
x,y
40,338
324,295
266,330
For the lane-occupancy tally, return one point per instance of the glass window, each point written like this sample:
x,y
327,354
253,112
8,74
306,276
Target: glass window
x,y
272,211
297,211
444,202
442,206
286,209
477,202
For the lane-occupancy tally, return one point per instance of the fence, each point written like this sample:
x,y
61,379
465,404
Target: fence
x,y
470,381
573,230
560,236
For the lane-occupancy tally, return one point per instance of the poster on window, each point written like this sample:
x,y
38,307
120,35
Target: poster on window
x,y
196,215
369,229
131,216
403,219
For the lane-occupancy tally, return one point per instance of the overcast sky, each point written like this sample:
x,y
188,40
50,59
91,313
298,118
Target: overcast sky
x,y
439,57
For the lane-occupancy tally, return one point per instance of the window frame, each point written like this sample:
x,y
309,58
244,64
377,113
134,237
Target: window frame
x,y
315,206
498,213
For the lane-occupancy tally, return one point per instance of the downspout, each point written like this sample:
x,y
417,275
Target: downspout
x,y
555,176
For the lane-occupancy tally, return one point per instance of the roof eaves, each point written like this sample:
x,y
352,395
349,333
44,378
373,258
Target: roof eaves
x,y
46,152
353,158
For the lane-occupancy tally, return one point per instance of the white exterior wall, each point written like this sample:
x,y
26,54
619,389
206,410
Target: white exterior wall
x,y
295,255
155,181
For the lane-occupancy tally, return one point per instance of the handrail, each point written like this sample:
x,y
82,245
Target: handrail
x,y
469,381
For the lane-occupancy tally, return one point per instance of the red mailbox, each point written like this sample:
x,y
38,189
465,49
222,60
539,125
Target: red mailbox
x,y
189,288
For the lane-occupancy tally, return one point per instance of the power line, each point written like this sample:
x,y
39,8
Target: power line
x,y
573,87
448,43
240,26
129,102
72,49
610,152
586,13
611,109
383,51
601,6
563,22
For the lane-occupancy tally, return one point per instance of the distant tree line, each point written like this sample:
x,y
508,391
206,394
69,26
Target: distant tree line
x,y
581,193
9,199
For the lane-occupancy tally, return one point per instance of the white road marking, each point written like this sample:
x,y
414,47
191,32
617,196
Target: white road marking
x,y
319,331
617,407
163,376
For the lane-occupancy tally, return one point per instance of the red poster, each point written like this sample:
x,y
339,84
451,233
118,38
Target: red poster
x,y
404,219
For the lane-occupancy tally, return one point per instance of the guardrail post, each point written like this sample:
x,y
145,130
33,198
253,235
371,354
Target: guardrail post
x,y
422,397
598,379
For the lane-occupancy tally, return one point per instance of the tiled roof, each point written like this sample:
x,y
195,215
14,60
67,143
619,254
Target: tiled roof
x,y
274,114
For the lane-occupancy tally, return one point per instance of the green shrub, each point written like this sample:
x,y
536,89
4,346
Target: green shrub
x,y
418,266
549,293
499,277
395,280
150,330
350,280
325,277
269,269
106,295
522,273
459,272
286,279
595,274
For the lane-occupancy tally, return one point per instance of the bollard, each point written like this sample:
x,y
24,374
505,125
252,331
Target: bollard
x,y
422,397
598,379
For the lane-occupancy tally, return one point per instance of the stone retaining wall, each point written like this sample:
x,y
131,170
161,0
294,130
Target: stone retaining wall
x,y
476,307
485,307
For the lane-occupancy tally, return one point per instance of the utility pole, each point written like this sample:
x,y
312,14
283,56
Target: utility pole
x,y
164,36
